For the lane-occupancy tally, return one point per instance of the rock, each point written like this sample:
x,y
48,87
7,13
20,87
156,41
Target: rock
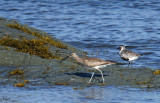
x,y
37,55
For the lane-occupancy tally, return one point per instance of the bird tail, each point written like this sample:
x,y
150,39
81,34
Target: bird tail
x,y
116,63
111,62
140,54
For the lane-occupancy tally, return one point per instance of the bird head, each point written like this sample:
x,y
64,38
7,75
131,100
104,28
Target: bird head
x,y
70,55
121,47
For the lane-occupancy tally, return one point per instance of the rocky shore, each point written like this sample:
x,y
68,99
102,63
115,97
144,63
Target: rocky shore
x,y
29,56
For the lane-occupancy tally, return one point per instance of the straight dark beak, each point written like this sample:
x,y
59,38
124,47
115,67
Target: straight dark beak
x,y
64,59
118,48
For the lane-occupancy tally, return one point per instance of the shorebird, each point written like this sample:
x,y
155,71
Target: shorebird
x,y
91,62
128,55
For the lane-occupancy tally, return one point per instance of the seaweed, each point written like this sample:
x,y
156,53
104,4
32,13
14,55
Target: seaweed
x,y
26,81
33,47
61,83
17,72
38,35
19,85
157,72
22,84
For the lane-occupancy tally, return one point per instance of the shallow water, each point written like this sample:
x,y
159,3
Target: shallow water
x,y
95,25
91,25
63,94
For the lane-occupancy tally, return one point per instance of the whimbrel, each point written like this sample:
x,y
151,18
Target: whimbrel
x,y
91,62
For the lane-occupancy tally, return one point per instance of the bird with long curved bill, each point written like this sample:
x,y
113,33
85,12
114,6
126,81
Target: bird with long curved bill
x,y
91,62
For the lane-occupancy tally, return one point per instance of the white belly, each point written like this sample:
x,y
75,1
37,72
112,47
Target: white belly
x,y
132,58
100,66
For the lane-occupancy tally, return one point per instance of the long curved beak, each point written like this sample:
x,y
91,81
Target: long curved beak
x,y
64,59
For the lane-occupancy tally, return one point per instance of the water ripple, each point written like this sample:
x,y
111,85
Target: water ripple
x,y
95,25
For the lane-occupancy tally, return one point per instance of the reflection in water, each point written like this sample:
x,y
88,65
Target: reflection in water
x,y
65,94
92,93
91,25
116,95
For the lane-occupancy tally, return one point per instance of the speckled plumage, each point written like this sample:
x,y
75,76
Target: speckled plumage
x,y
127,55
92,62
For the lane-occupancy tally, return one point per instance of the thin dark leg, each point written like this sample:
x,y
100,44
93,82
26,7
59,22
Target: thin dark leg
x,y
129,63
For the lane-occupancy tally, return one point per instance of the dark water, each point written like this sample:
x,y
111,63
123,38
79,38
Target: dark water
x,y
63,94
95,25
91,25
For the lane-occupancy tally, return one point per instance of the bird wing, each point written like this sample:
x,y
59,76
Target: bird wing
x,y
91,61
129,54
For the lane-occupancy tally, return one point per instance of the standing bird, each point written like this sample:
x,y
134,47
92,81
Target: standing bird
x,y
91,62
128,55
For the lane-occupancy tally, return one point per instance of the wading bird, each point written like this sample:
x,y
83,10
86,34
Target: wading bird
x,y
128,55
91,62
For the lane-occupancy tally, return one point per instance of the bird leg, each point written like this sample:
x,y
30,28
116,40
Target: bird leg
x,y
129,63
91,77
101,75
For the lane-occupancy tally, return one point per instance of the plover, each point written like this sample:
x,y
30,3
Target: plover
x,y
128,55
91,62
